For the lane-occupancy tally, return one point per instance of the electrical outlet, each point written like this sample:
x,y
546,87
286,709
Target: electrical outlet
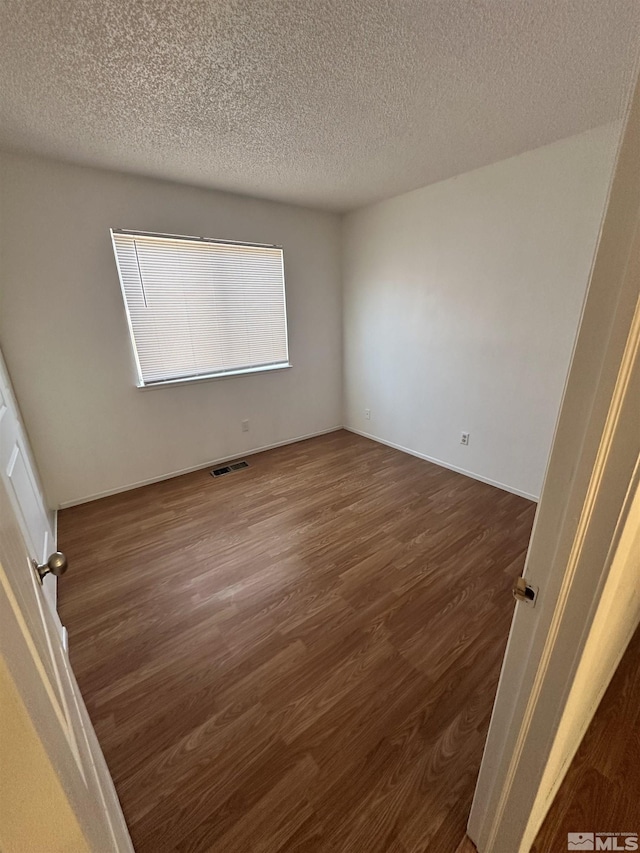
x,y
245,426
464,438
367,414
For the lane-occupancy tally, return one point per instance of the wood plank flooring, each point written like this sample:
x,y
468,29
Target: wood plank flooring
x,y
601,791
299,656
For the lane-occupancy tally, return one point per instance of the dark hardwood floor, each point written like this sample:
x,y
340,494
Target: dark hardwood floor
x,y
601,791
300,656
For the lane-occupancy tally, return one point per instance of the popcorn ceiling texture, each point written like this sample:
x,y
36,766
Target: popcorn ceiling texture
x,y
327,103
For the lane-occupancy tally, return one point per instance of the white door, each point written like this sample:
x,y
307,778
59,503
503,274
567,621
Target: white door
x,y
586,501
23,484
55,790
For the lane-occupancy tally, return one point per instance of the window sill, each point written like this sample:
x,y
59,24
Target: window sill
x,y
209,377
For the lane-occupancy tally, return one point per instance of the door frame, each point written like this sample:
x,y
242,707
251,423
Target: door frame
x,y
584,503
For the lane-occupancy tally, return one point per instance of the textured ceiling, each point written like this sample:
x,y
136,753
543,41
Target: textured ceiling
x,y
330,103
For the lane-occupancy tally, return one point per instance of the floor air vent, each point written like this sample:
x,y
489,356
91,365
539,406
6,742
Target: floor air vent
x,y
227,469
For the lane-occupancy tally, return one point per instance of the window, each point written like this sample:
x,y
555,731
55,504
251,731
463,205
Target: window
x,y
201,308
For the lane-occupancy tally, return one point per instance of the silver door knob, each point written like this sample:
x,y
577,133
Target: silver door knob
x,y
56,565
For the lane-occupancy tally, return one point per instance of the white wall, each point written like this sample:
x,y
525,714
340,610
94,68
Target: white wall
x,y
461,304
64,334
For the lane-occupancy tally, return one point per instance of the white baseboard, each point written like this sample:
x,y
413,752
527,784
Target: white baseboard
x,y
447,465
198,467
223,459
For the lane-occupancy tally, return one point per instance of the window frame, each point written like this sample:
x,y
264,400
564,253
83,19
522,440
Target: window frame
x,y
143,385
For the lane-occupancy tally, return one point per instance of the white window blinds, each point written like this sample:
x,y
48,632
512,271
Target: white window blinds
x,y
200,308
